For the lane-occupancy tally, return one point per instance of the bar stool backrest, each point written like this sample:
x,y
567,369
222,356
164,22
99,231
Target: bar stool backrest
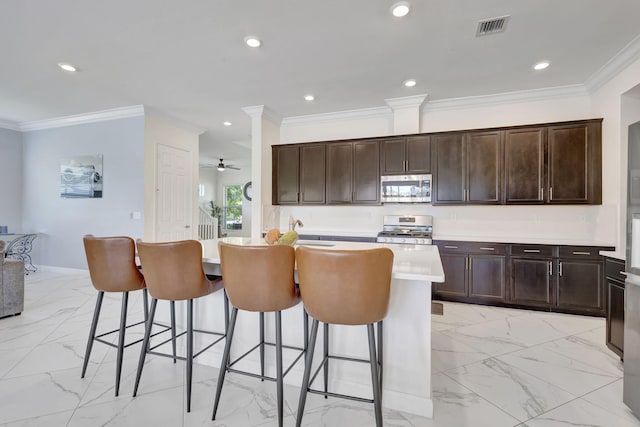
x,y
259,278
173,270
112,265
345,287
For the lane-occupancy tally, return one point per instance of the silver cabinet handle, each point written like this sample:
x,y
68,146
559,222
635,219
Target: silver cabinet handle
x,y
532,251
550,193
550,269
560,269
450,247
541,193
581,253
488,249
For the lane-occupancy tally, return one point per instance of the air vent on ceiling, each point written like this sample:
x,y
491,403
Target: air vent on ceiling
x,y
492,26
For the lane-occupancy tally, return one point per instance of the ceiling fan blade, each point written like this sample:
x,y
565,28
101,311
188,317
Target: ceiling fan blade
x,y
232,167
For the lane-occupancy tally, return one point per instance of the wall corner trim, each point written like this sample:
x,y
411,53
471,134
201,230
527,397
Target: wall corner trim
x,y
8,124
262,111
615,65
93,117
363,113
407,101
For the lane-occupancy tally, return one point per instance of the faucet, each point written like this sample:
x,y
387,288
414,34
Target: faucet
x,y
293,222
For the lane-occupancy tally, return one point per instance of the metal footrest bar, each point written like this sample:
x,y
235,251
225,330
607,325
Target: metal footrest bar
x,y
343,396
327,393
110,344
264,377
157,353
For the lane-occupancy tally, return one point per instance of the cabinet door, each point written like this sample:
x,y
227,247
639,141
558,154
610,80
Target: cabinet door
x,y
568,164
366,172
448,169
393,156
484,167
580,285
312,174
531,281
418,154
455,276
339,173
524,165
487,277
286,164
615,317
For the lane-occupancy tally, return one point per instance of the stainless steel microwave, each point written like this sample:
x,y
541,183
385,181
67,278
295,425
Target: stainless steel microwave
x,y
405,188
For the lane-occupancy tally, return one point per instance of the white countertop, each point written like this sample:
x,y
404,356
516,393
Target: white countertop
x,y
410,262
523,240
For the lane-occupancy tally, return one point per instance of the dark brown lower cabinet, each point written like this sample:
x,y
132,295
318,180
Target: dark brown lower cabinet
x,y
580,285
472,271
615,305
532,281
546,277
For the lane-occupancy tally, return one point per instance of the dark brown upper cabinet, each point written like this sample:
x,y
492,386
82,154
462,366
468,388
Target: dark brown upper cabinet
x,y
555,164
524,160
575,163
353,173
467,168
285,161
299,174
405,155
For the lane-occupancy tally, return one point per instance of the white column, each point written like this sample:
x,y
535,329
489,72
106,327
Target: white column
x,y
265,131
406,113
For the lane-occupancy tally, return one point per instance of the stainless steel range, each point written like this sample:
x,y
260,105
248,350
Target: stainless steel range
x,y
408,229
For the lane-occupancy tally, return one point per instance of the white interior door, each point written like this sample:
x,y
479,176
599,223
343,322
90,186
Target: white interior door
x,y
174,204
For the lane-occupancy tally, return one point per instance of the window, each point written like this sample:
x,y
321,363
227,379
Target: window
x,y
232,218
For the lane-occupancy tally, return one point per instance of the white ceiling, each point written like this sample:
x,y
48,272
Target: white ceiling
x,y
188,59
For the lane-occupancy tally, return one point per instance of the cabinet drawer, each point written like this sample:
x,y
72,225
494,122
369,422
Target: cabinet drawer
x,y
471,247
579,252
533,250
613,269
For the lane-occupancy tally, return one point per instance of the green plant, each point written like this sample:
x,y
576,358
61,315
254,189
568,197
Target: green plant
x,y
216,211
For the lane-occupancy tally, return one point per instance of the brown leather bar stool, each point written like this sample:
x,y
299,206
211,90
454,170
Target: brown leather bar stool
x,y
345,288
173,271
258,279
112,268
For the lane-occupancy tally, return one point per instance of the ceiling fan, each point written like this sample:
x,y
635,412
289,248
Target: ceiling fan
x,y
222,166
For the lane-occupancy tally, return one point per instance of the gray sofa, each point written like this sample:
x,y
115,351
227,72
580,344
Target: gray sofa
x,y
11,285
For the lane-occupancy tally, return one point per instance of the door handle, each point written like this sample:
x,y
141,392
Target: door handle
x,y
581,253
560,269
187,226
550,269
488,249
532,251
551,194
450,247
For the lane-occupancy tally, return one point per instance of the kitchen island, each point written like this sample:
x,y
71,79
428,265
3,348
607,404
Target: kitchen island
x,y
407,330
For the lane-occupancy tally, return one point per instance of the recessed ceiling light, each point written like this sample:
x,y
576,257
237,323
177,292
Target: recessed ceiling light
x,y
252,41
309,97
67,67
541,65
410,83
400,9
226,123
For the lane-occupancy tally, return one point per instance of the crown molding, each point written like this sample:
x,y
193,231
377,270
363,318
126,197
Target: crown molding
x,y
508,98
8,124
406,101
364,113
96,116
622,59
262,111
179,123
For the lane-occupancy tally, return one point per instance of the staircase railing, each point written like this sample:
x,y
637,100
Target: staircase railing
x,y
207,225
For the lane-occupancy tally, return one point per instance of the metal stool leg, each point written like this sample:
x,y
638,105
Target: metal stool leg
x,y
92,332
375,380
121,333
145,344
225,361
305,320
380,355
279,367
189,351
145,300
325,369
262,346
307,371
173,329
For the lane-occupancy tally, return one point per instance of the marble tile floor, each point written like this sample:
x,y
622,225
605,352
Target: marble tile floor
x,y
491,367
